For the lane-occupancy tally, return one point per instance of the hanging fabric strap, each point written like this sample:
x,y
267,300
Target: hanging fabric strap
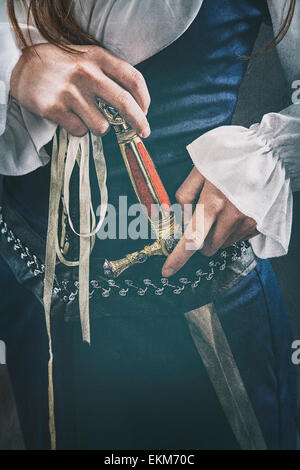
x,y
67,152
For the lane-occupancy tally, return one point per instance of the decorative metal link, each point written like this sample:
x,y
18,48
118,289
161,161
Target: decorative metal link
x,y
68,290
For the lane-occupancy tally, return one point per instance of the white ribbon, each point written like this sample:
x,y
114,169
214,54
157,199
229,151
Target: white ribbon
x,y
66,153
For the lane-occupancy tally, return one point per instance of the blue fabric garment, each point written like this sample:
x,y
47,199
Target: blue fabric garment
x,y
141,384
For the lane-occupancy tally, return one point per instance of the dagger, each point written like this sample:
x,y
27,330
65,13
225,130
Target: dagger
x,y
150,192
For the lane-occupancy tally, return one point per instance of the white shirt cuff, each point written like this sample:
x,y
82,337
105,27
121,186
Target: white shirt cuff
x,y
242,164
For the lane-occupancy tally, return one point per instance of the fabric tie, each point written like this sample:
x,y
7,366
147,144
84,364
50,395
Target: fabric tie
x,y
67,152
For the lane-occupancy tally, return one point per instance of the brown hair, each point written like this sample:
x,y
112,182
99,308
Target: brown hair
x,y
55,21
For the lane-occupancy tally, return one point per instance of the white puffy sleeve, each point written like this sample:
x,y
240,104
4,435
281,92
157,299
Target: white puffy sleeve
x,y
9,56
258,168
22,133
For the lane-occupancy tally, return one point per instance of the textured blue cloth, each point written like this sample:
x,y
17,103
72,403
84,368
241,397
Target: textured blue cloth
x,y
141,384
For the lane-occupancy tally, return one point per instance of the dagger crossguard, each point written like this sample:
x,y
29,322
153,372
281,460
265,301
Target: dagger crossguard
x,y
113,269
161,247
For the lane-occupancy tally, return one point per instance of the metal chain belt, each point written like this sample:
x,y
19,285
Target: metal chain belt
x,y
68,290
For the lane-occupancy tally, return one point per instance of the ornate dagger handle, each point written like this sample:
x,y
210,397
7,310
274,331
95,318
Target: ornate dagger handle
x,y
117,267
149,190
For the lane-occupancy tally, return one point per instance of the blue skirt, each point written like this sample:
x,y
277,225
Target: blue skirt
x,y
142,383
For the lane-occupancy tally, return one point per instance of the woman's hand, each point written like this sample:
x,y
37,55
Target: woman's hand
x,y
63,87
222,225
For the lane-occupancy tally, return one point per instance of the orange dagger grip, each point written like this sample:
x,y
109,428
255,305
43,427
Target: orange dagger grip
x,y
155,179
144,180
